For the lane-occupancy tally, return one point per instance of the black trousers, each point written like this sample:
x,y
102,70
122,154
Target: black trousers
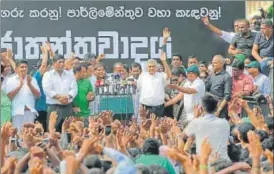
x,y
42,118
63,111
159,110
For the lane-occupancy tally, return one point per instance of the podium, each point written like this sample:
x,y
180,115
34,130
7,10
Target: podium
x,y
121,105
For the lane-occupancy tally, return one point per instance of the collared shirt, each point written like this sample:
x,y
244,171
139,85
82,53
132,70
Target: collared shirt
x,y
40,104
24,98
263,84
265,46
244,43
220,84
227,36
216,129
64,84
152,88
156,159
190,100
80,101
242,83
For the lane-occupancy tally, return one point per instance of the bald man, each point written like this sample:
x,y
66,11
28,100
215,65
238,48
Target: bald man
x,y
219,85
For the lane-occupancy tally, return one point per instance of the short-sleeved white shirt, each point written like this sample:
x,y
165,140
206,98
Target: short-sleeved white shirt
x,y
190,100
227,36
216,129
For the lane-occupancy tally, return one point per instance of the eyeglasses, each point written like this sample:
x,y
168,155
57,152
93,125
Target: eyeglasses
x,y
203,77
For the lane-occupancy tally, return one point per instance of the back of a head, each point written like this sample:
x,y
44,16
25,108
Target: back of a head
x,y
243,129
221,164
95,171
156,169
90,56
142,169
92,161
209,103
239,64
106,165
151,146
267,22
234,152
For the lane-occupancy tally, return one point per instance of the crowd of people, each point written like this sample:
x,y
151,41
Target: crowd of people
x,y
201,117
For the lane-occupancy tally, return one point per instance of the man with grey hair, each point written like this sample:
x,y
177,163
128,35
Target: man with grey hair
x,y
262,49
151,86
219,84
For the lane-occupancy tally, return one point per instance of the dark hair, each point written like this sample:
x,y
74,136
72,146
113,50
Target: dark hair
x,y
245,21
234,152
192,57
57,57
78,67
203,63
178,55
262,134
92,161
209,103
22,61
269,122
106,165
156,169
78,58
126,67
142,169
118,63
99,65
179,71
2,68
135,65
221,164
243,129
151,146
238,64
268,143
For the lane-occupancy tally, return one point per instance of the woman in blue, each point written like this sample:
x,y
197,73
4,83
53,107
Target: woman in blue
x,y
40,104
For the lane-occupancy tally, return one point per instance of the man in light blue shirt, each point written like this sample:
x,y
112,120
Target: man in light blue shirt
x,y
261,81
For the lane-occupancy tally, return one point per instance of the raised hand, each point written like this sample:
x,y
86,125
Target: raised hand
x,y
44,49
52,121
36,151
269,156
101,57
48,46
205,20
90,96
29,79
255,146
205,151
166,35
9,54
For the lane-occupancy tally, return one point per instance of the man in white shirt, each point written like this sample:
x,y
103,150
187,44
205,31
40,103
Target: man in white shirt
x,y
226,36
60,89
22,91
136,70
193,89
151,86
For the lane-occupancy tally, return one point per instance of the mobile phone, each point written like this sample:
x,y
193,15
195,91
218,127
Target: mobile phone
x,y
69,137
107,130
